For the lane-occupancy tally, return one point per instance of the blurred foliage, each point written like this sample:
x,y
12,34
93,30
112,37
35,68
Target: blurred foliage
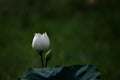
x,y
81,32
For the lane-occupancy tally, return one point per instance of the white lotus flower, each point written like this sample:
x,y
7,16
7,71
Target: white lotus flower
x,y
40,42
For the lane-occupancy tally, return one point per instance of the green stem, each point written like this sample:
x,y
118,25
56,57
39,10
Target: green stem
x,y
46,63
41,56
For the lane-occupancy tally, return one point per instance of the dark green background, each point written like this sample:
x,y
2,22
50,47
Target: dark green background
x,y
80,33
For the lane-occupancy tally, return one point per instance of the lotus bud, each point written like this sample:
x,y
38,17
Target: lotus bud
x,y
40,42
